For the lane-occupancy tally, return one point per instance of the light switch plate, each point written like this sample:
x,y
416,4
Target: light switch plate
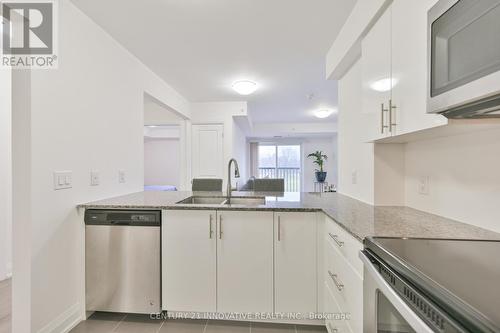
x,y
354,177
94,178
121,176
63,180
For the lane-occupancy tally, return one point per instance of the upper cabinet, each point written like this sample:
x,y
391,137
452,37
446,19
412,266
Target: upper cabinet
x,y
409,67
394,71
376,72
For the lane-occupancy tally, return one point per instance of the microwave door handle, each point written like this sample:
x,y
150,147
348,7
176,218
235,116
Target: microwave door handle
x,y
408,314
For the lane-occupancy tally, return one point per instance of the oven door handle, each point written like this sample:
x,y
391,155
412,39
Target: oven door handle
x,y
408,314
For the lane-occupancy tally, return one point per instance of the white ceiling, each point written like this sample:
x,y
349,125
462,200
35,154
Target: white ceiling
x,y
201,46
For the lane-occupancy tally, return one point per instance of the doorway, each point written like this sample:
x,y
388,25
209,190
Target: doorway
x,y
163,142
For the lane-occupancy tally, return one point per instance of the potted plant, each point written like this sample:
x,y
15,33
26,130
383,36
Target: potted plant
x,y
319,160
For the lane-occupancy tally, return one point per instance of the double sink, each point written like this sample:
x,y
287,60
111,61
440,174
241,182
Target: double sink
x,y
223,201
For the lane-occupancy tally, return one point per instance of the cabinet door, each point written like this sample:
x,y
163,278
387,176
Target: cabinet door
x,y
295,262
189,260
207,151
244,261
409,66
376,78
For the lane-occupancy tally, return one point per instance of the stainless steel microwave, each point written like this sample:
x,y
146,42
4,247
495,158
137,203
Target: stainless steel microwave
x,y
464,58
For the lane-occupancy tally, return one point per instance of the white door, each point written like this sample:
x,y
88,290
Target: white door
x,y
295,262
208,152
377,78
244,261
189,260
409,66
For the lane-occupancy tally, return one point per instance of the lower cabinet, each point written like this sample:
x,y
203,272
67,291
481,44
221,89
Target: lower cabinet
x,y
245,261
239,261
343,278
189,260
295,262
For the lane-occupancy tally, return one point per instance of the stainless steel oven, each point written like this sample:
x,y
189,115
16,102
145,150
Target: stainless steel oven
x,y
386,309
430,285
464,58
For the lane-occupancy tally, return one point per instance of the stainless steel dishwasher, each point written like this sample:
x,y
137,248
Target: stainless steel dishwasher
x,y
122,261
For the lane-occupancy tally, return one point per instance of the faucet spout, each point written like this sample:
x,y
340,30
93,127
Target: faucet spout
x,y
236,175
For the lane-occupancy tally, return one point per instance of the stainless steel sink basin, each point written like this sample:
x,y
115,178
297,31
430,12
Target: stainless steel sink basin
x,y
203,201
246,201
240,201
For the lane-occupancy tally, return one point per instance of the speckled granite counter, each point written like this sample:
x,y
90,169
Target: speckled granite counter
x,y
359,219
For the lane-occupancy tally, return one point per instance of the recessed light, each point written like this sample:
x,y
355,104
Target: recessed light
x,y
323,113
244,87
383,85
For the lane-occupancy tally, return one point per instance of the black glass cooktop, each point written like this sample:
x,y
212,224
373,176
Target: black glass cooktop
x,y
463,276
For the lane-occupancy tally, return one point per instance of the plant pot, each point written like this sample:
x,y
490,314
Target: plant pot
x,y
320,176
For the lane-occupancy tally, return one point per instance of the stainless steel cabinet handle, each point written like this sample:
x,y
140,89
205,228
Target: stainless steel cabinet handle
x,y
336,239
210,231
220,227
279,228
392,116
336,281
383,126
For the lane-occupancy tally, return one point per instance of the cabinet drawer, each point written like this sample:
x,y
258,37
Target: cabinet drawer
x,y
346,286
333,324
345,243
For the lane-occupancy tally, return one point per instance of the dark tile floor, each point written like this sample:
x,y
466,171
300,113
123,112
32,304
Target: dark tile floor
x,y
120,323
5,306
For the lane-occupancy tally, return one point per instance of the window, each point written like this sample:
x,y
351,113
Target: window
x,y
281,161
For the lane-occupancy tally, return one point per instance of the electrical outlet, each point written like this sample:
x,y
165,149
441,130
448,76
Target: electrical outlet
x,y
63,180
94,178
121,176
354,177
423,185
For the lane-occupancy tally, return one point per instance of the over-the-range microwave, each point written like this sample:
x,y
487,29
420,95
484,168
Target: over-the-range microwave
x,y
464,58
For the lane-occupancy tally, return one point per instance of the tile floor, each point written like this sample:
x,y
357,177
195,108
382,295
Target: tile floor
x,y
120,323
5,305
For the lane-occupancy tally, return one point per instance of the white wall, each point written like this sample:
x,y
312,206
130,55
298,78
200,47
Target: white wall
x,y
156,114
356,158
5,175
329,147
162,164
86,115
240,153
464,178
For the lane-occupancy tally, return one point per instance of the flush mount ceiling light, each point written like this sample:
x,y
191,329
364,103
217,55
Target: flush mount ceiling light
x,y
383,85
244,87
323,113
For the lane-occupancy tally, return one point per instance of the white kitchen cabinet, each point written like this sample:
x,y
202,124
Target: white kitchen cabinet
x,y
295,262
409,67
394,72
376,78
343,276
208,151
189,260
245,261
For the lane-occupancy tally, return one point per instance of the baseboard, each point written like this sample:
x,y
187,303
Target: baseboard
x,y
65,321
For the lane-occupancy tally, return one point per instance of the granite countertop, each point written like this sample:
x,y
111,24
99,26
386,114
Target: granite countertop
x,y
358,218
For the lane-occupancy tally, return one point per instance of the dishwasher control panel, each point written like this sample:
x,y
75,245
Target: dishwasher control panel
x,y
122,217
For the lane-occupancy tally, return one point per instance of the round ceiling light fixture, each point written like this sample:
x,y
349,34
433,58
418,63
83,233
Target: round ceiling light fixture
x,y
245,87
323,113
